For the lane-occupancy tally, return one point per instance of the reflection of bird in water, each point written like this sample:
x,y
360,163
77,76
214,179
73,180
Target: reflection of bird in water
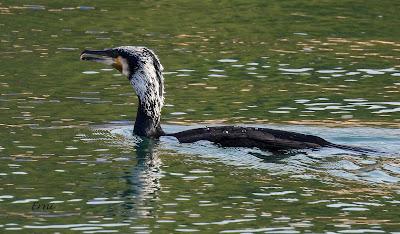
x,y
144,72
144,179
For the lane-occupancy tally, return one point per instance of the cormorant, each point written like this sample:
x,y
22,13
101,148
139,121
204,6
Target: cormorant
x,y
144,72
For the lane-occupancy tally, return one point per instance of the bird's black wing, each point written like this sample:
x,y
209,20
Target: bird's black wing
x,y
262,138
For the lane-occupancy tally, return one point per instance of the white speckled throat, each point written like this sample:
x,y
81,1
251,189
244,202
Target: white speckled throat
x,y
148,82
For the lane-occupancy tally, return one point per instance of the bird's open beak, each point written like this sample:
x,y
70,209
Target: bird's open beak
x,y
101,56
107,57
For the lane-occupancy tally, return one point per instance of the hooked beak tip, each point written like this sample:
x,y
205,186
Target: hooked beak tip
x,y
84,55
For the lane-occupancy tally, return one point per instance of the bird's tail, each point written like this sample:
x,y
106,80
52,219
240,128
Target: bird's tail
x,y
353,148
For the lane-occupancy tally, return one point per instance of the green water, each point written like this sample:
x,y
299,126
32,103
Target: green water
x,y
330,68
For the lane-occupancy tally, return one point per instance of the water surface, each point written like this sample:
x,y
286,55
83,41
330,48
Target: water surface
x,y
324,68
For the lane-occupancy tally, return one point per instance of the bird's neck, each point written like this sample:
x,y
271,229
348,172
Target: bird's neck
x,y
149,87
145,125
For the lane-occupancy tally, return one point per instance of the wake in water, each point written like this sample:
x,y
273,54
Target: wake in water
x,y
350,165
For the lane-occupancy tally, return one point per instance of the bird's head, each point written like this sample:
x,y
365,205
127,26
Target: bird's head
x,y
143,69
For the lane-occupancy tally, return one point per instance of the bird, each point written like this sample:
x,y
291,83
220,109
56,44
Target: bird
x,y
144,71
